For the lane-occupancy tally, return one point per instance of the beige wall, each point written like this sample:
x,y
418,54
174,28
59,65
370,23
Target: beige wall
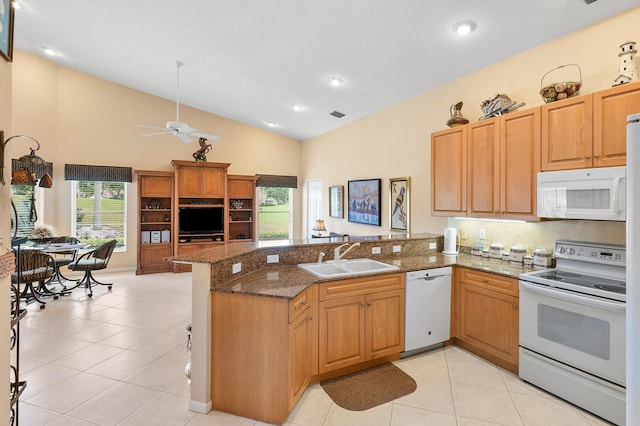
x,y
396,142
5,206
82,119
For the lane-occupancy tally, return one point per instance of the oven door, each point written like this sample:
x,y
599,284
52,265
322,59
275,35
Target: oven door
x,y
582,331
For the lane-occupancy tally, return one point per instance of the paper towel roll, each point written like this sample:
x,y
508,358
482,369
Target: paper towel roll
x,y
450,237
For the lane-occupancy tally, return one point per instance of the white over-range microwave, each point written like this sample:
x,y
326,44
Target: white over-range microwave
x,y
596,194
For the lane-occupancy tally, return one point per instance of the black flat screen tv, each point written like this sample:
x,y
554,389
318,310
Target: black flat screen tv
x,y
200,220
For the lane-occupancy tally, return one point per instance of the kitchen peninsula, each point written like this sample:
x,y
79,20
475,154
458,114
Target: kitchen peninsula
x,y
258,337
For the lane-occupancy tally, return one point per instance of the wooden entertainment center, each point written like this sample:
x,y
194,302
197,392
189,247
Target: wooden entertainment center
x,y
196,206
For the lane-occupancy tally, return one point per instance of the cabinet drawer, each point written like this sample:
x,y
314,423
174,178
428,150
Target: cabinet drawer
x,y
360,286
489,281
298,305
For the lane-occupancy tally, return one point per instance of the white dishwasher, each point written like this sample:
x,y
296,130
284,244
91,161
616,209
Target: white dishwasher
x,y
427,309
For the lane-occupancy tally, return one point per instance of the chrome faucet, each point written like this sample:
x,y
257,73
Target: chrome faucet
x,y
320,256
336,252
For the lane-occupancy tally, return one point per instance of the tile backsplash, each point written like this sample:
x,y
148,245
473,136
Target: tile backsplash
x,y
539,234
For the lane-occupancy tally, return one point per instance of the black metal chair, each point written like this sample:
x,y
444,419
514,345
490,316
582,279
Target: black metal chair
x,y
34,266
63,258
93,260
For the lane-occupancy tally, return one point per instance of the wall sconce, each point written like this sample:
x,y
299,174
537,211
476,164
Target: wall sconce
x,y
30,160
319,227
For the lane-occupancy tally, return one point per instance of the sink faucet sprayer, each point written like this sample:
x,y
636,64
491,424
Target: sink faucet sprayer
x,y
336,252
320,256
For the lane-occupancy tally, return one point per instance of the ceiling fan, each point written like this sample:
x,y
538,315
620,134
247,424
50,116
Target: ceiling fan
x,y
178,128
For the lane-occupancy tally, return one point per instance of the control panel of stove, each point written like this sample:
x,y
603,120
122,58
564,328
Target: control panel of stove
x,y
612,254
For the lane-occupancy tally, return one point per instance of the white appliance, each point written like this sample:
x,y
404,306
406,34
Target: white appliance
x,y
155,236
427,309
633,268
145,237
573,327
597,194
451,245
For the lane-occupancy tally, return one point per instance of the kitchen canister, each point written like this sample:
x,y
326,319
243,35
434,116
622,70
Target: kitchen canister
x,y
528,260
542,257
451,245
486,252
496,250
517,253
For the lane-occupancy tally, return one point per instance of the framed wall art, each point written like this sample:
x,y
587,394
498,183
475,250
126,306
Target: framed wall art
x,y
399,206
364,201
6,29
336,201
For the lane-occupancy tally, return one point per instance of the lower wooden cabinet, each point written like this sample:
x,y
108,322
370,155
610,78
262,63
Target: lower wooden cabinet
x,y
262,353
360,320
488,316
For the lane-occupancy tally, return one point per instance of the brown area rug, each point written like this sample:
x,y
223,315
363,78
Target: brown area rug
x,y
368,388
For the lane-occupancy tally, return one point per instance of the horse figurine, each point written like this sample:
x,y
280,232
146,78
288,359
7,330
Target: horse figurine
x,y
201,154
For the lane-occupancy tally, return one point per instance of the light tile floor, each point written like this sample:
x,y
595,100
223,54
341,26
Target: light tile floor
x,y
118,359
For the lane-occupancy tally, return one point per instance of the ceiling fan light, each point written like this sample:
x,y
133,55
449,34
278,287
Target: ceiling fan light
x,y
271,123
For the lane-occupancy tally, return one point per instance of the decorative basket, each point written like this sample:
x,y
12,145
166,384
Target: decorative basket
x,y
497,103
561,90
22,177
7,264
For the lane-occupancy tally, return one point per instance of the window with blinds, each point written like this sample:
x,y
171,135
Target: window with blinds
x,y
99,211
22,196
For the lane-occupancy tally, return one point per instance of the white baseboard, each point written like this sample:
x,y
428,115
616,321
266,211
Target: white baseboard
x,y
200,407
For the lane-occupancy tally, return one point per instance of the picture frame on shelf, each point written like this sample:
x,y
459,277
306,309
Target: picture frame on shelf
x,y
6,29
364,201
399,204
336,201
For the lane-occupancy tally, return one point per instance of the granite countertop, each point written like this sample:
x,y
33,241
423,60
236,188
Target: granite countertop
x,y
288,281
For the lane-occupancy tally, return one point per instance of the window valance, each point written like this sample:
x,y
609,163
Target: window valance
x,y
98,173
277,181
35,168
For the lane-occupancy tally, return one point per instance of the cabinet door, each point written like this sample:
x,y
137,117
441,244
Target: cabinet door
x,y
483,172
519,164
341,328
300,352
384,323
567,134
213,182
155,186
152,258
240,188
610,110
489,322
189,182
449,172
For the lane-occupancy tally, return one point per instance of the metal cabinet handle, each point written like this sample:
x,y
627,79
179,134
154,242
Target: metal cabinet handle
x,y
362,304
596,156
515,305
586,157
484,280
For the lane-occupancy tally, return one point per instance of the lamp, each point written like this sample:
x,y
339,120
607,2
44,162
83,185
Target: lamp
x,y
319,227
30,160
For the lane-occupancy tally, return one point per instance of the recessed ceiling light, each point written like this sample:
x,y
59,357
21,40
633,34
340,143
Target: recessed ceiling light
x,y
464,27
335,81
297,107
271,123
49,51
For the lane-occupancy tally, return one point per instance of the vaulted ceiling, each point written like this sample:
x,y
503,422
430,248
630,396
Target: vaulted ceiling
x,y
255,60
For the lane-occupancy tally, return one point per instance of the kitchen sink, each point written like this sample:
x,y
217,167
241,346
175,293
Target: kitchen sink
x,y
347,267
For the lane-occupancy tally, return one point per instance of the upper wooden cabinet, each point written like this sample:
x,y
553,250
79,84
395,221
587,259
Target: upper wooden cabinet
x,y
196,179
503,157
449,172
588,131
610,110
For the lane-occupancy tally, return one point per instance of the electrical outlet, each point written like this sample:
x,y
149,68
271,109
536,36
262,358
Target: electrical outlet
x,y
396,249
483,234
273,258
375,250
433,246
464,234
237,267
